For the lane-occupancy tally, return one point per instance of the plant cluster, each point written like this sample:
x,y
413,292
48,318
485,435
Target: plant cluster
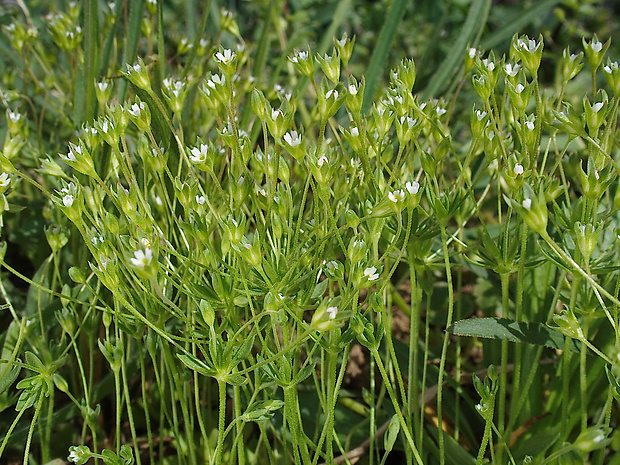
x,y
219,246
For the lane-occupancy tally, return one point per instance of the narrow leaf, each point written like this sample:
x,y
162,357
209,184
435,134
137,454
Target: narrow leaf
x,y
380,53
474,23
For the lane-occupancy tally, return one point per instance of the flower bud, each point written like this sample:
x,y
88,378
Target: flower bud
x,y
345,48
330,64
571,64
595,51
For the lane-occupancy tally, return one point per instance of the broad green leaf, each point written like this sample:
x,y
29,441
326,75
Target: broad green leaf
x,y
510,330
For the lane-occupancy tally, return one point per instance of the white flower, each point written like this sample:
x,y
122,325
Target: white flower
x,y
412,187
530,125
597,106
137,68
226,57
5,180
330,93
332,312
596,46
480,114
518,169
74,456
136,109
352,90
355,131
371,273
527,204
321,161
440,111
397,196
512,70
303,56
611,67
67,200
531,45
276,113
519,88
199,155
472,52
142,258
292,138
14,117
200,199
489,64
216,79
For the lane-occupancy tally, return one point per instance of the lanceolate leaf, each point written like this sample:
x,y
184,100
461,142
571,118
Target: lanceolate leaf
x,y
510,330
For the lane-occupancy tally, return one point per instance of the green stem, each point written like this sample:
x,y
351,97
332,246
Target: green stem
x,y
444,349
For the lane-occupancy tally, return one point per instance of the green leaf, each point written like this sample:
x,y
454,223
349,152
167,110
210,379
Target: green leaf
x,y
510,330
8,377
392,433
319,290
262,410
195,364
110,458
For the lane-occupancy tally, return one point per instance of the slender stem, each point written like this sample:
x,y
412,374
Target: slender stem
x,y
444,349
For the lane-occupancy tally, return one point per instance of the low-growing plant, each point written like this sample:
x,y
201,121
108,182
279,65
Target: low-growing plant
x,y
220,248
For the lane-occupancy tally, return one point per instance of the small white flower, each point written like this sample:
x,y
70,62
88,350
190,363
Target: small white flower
x,y
488,64
518,169
519,88
597,106
529,125
276,113
137,68
321,161
531,45
352,90
355,131
371,273
142,258
527,204
440,111
136,109
332,312
14,117
199,155
512,70
412,187
200,199
472,52
226,57
217,79
5,180
610,68
480,114
330,93
158,201
67,200
292,138
596,46
74,456
397,196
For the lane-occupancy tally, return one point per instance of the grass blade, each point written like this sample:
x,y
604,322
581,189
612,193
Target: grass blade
x,y
379,55
474,23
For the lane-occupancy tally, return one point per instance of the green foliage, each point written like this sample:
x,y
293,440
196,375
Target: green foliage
x,y
246,237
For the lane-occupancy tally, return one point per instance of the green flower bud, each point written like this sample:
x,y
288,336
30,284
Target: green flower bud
x,y
595,51
568,325
79,159
303,62
529,51
353,220
571,64
612,74
345,48
330,66
76,275
587,237
595,114
593,438
57,237
138,75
